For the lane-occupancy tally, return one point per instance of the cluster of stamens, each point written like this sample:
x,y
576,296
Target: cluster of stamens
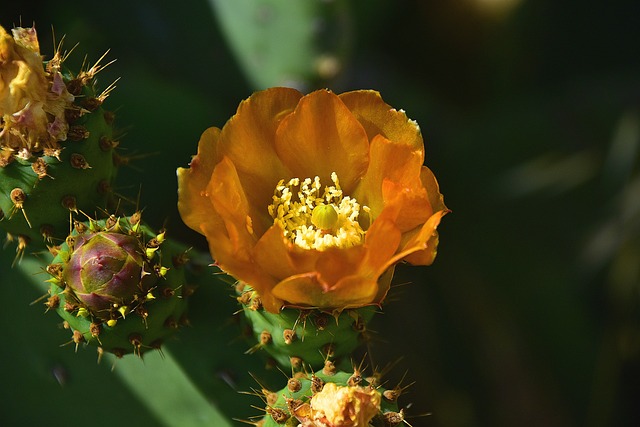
x,y
316,218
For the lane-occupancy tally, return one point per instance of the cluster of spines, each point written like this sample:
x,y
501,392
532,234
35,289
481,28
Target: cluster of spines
x,y
297,337
285,406
140,325
43,186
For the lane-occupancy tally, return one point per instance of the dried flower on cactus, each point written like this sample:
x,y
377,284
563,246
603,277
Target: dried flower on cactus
x,y
344,406
32,100
56,141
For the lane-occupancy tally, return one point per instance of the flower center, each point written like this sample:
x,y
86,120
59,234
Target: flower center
x,y
317,218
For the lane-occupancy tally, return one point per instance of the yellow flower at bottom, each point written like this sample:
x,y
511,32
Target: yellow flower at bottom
x,y
313,199
338,406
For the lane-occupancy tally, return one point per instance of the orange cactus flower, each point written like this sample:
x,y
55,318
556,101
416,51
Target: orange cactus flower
x,y
312,200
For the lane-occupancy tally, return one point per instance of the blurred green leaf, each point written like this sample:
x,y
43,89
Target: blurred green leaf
x,y
165,389
286,42
156,383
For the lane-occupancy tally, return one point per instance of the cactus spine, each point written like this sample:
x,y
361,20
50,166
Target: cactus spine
x,y
109,285
56,142
332,398
294,338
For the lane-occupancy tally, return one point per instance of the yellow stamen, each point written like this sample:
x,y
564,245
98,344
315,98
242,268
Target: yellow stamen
x,y
316,218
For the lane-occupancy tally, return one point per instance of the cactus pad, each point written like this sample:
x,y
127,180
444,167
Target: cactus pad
x,y
295,337
56,142
109,286
332,398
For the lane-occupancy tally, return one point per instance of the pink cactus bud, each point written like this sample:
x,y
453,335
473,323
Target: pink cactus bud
x,y
106,270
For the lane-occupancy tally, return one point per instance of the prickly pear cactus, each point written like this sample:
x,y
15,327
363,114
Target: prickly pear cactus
x,y
295,338
332,398
110,286
56,142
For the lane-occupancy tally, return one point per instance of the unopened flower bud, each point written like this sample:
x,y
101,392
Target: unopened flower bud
x,y
106,269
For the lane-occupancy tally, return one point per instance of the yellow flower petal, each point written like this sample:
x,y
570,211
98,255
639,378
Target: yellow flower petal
x,y
400,165
280,258
429,182
194,204
420,247
378,118
248,140
230,202
308,290
322,136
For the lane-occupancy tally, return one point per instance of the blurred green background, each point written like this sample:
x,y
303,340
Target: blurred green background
x,y
530,113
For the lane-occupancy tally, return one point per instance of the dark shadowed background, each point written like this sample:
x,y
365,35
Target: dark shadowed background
x,y
530,110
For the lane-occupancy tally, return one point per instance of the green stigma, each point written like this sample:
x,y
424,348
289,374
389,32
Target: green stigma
x,y
324,217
